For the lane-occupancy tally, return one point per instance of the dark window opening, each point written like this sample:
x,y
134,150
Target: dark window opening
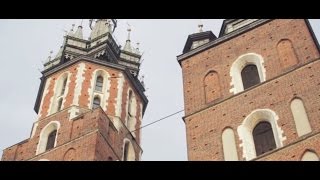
x,y
250,76
63,86
59,104
125,153
99,84
130,103
96,102
51,140
263,138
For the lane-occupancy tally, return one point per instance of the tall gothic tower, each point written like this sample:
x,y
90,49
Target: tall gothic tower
x,y
253,92
90,101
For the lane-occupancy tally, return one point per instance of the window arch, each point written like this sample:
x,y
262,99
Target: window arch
x,y
128,151
96,102
300,117
229,145
63,89
310,156
263,138
99,83
130,108
250,76
70,155
100,86
48,137
248,61
211,86
286,53
131,120
247,130
60,91
51,140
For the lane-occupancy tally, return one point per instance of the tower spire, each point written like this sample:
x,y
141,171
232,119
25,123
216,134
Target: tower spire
x,y
127,47
71,30
200,26
78,33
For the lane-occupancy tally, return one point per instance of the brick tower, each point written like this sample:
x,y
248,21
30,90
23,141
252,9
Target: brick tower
x,y
253,92
89,103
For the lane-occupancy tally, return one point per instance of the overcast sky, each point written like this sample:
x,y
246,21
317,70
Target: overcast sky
x,y
24,44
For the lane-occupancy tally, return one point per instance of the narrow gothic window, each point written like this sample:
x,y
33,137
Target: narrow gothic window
x,y
63,86
51,140
96,102
250,76
263,138
99,84
59,104
130,104
125,152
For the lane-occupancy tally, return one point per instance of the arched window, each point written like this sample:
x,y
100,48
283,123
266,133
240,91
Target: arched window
x,y
259,132
51,140
212,86
96,102
60,93
229,145
250,76
247,70
300,117
99,83
125,151
286,53
128,151
130,103
310,156
63,89
263,138
48,137
59,104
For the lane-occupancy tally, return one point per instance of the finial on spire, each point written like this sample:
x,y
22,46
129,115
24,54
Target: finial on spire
x,y
129,30
200,26
72,27
49,57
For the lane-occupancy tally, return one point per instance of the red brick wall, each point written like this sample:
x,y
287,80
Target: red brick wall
x,y
204,129
87,137
284,45
262,40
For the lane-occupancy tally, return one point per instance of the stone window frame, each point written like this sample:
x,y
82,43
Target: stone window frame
x,y
249,123
238,65
43,137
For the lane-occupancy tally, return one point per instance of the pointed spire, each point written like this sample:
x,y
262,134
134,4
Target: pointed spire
x,y
71,30
101,26
78,33
49,57
137,48
129,30
200,26
127,46
59,54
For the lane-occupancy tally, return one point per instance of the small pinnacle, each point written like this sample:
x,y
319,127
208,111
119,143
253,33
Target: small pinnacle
x,y
200,26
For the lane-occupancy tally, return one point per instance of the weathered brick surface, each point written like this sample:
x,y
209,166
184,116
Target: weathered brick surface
x,y
286,77
91,136
262,40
